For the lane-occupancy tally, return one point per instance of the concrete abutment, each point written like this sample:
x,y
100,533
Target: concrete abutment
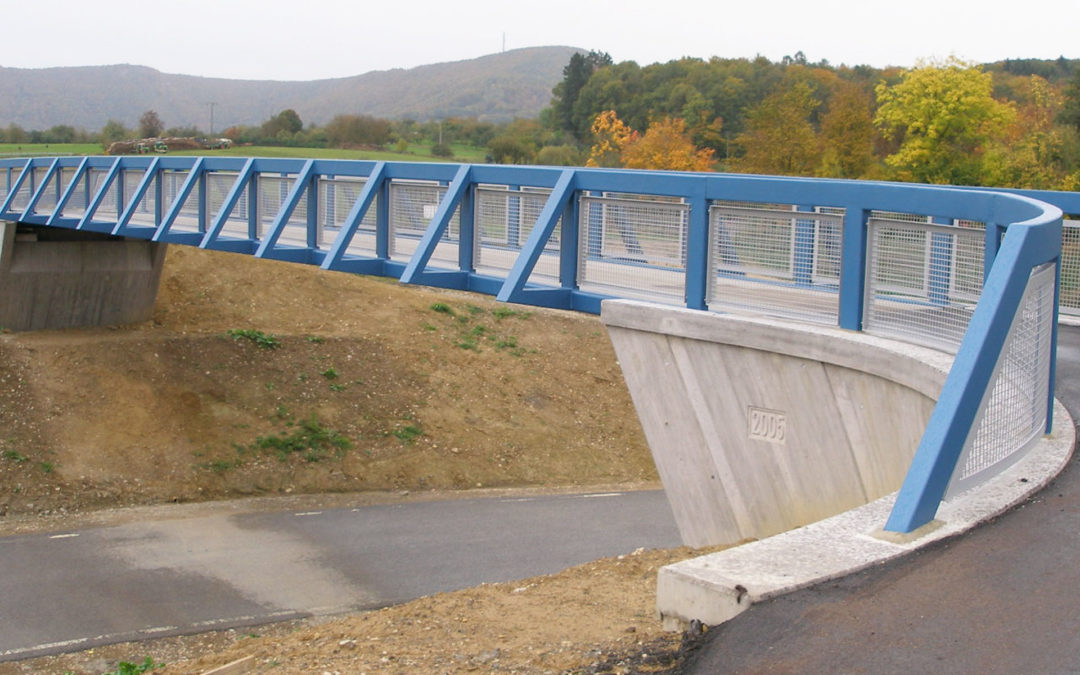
x,y
52,278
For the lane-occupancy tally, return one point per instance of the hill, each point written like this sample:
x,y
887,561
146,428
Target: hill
x,y
497,87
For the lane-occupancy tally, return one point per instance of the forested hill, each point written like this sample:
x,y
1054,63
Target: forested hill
x,y
497,87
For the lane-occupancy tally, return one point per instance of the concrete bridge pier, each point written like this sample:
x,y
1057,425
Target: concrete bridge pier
x,y
54,278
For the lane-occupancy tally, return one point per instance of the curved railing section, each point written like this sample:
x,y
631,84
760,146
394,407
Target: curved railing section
x,y
967,271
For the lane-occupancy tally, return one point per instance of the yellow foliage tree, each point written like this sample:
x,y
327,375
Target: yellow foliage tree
x,y
665,146
610,137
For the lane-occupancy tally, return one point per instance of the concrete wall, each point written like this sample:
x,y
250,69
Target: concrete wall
x,y
759,426
55,278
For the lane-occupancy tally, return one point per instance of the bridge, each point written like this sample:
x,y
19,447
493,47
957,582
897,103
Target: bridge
x,y
826,273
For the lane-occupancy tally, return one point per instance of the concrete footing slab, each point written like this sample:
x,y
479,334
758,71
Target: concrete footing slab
x,y
717,587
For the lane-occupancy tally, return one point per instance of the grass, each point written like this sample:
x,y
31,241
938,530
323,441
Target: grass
x,y
129,668
408,434
261,339
49,149
418,152
310,439
15,456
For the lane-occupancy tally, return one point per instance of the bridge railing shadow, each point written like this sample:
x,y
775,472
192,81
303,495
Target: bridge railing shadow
x,y
971,272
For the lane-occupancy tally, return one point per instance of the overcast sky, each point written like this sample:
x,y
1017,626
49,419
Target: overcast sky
x,y
308,39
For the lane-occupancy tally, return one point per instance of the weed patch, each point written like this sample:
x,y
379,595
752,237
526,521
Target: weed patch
x,y
308,438
260,339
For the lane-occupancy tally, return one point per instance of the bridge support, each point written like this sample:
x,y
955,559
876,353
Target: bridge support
x,y
54,278
759,426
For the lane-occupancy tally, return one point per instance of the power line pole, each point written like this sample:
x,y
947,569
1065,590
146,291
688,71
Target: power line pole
x,y
211,104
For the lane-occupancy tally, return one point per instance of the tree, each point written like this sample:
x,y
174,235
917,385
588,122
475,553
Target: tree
x,y
1070,110
779,138
847,134
1033,152
575,75
511,149
113,131
944,116
610,136
666,146
150,125
282,125
346,130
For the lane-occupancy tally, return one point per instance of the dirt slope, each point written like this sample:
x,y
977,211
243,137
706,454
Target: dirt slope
x,y
258,378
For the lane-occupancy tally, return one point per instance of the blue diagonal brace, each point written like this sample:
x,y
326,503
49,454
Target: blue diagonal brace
x,y
302,182
54,167
17,187
140,192
80,172
356,216
99,196
439,222
237,189
181,198
534,246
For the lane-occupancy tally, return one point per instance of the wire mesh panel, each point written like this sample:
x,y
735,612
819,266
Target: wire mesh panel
x,y
273,193
1070,268
148,210
218,184
412,206
924,280
336,199
775,259
187,220
1013,414
633,246
504,220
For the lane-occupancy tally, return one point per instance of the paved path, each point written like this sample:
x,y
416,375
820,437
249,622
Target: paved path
x,y
69,591
1004,598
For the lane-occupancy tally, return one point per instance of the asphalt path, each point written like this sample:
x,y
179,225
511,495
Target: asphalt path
x,y
1004,598
70,591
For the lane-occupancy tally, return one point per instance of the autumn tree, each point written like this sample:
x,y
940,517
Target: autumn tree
x,y
666,146
150,125
575,75
610,137
847,134
944,116
779,137
349,130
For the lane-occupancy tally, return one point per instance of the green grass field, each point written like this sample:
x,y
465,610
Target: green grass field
x,y
416,153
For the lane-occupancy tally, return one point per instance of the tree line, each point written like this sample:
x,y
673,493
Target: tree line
x,y
1013,123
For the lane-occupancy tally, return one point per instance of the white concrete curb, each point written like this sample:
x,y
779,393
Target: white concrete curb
x,y
716,587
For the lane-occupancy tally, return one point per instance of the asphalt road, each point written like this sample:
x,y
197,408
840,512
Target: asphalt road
x,y
1004,598
70,591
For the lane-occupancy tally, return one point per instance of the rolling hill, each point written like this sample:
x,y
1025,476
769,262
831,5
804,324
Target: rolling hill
x,y
497,87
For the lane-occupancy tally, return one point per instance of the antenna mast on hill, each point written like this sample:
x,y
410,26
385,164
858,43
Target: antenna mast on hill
x,y
504,41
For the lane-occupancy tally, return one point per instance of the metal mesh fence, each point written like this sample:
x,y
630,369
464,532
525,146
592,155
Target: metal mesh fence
x,y
634,246
273,191
412,206
1070,268
504,220
1014,411
774,259
336,199
924,279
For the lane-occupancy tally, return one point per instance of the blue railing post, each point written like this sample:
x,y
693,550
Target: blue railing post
x,y
698,274
853,267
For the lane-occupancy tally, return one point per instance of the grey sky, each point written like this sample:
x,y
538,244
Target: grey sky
x,y
297,40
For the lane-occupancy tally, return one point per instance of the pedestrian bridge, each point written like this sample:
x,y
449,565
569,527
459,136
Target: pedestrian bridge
x,y
973,276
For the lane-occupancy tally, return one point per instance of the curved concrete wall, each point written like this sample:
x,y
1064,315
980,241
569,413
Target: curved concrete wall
x,y
759,426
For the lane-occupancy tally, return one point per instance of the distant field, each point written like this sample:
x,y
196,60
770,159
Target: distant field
x,y
417,153
51,149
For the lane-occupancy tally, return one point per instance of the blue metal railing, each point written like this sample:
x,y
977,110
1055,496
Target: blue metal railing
x,y
129,196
